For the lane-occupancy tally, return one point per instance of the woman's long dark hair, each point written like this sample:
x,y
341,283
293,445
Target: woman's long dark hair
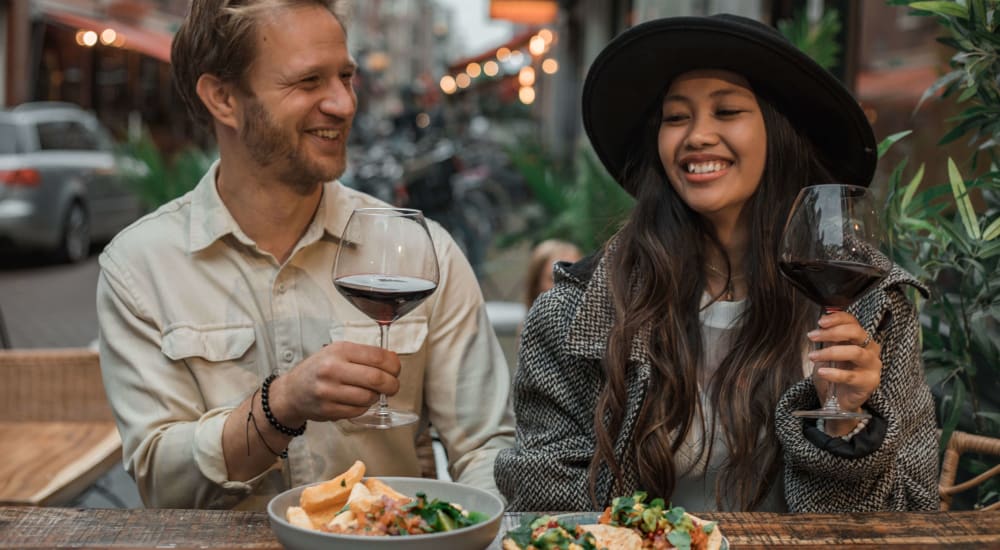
x,y
653,288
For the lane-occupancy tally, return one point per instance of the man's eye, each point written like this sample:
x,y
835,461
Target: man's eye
x,y
310,80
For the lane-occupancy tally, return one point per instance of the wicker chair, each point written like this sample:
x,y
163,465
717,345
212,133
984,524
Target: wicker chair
x,y
57,433
959,443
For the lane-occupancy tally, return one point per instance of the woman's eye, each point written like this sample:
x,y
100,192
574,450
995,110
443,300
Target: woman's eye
x,y
728,112
674,118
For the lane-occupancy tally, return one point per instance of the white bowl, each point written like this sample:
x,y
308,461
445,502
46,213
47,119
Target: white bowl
x,y
475,537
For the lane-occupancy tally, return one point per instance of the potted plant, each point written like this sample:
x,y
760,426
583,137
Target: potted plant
x,y
946,233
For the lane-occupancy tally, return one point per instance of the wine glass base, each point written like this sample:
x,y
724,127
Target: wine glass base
x,y
831,414
383,419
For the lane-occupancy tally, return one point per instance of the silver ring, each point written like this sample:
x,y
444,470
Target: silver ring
x,y
868,340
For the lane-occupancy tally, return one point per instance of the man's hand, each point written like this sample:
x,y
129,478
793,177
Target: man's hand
x,y
342,380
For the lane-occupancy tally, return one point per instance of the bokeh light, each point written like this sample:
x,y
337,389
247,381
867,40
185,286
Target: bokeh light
x,y
526,95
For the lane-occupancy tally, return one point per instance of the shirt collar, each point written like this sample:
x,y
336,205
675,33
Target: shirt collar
x,y
211,220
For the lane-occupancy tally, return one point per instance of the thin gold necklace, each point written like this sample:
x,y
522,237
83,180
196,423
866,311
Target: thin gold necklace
x,y
729,294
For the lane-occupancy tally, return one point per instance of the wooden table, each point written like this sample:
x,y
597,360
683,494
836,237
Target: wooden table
x,y
32,528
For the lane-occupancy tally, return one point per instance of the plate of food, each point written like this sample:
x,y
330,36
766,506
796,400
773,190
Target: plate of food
x,y
630,523
393,513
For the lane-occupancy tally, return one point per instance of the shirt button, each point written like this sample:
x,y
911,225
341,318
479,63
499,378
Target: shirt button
x,y
288,355
281,288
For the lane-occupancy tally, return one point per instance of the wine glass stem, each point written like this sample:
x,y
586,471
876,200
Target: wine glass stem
x,y
383,342
832,404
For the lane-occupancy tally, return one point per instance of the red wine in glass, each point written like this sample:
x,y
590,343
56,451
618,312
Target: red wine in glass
x,y
385,267
830,253
833,284
384,298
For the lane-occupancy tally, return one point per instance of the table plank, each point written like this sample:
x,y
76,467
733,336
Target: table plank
x,y
32,528
50,462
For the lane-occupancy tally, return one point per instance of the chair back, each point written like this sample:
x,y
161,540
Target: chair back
x,y
960,443
52,385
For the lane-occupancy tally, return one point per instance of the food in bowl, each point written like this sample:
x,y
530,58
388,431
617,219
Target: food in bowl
x,y
629,523
348,504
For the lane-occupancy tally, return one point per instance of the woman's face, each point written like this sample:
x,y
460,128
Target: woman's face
x,y
712,142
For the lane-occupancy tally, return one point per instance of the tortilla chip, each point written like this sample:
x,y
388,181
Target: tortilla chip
x,y
332,494
344,520
361,499
714,538
619,538
324,501
299,518
379,488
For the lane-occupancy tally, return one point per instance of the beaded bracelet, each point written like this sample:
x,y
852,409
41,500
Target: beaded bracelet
x,y
858,428
264,390
251,418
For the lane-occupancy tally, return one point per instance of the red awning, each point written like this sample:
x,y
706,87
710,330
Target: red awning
x,y
155,44
514,43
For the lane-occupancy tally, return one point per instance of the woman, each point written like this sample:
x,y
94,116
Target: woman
x,y
672,361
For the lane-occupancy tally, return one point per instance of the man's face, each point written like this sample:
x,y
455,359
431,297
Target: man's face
x,y
295,122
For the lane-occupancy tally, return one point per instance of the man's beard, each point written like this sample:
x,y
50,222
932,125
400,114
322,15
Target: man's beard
x,y
268,146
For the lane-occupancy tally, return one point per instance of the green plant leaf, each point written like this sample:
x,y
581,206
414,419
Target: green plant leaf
x,y
911,188
963,202
958,131
969,92
948,9
888,142
989,251
992,230
942,82
977,13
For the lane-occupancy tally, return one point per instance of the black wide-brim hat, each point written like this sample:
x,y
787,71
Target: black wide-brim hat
x,y
631,75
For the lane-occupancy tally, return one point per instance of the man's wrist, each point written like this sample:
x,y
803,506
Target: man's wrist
x,y
279,411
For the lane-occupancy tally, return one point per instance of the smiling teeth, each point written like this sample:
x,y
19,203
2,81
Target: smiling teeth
x,y
705,167
327,134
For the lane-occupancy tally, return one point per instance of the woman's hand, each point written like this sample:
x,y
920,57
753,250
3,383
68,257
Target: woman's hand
x,y
858,367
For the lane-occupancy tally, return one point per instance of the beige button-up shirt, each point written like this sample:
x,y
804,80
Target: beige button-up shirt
x,y
193,316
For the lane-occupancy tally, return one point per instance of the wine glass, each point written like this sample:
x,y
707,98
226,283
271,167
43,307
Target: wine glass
x,y
830,252
385,266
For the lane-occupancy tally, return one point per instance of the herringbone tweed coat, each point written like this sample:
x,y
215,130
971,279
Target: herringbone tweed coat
x,y
559,378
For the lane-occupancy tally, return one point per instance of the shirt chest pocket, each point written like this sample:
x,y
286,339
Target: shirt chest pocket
x,y
405,337
221,358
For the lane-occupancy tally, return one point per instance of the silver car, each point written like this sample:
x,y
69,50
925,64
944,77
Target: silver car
x,y
61,183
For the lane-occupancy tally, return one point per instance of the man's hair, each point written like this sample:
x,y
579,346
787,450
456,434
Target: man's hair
x,y
219,37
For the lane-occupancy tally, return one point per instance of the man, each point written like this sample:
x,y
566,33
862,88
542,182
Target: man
x,y
203,300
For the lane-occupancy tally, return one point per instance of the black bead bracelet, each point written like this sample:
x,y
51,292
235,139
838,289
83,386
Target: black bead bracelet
x,y
264,404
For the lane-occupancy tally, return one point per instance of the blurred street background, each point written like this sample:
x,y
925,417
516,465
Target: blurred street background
x,y
468,110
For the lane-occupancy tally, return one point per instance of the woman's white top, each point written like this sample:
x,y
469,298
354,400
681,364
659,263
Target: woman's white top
x,y
696,476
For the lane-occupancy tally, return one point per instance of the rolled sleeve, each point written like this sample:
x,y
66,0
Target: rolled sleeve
x,y
157,406
901,472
